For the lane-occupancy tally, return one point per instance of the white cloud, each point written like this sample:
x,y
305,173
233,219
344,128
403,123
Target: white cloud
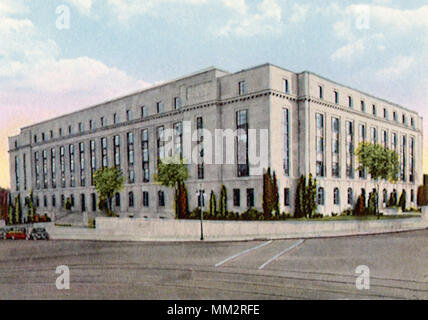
x,y
398,67
264,18
299,13
349,51
84,6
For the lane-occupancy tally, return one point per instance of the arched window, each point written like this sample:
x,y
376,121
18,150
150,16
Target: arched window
x,y
336,196
131,199
385,196
117,200
320,196
350,196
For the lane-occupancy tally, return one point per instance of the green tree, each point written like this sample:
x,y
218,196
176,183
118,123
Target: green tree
x,y
372,203
392,201
10,211
380,162
299,203
223,201
275,197
402,201
172,172
267,194
18,209
310,203
108,181
31,207
213,204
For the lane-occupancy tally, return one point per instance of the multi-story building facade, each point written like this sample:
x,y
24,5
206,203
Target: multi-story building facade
x,y
314,126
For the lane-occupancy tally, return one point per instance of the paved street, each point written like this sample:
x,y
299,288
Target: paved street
x,y
283,269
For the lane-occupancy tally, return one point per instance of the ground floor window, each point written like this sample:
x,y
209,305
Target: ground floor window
x,y
145,199
350,196
250,198
286,197
237,197
336,196
131,199
117,200
320,196
161,198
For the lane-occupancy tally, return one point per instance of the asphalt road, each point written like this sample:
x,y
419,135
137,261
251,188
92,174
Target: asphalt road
x,y
283,269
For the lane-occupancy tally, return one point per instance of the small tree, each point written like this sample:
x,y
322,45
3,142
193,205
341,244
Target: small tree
x,y
18,209
31,207
402,201
380,162
372,203
10,211
275,198
299,203
422,196
108,181
360,206
267,194
182,208
392,201
223,201
310,197
213,204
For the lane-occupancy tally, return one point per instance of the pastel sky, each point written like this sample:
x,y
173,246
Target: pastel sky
x,y
112,47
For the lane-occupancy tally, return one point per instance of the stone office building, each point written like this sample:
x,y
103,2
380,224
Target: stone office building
x,y
314,126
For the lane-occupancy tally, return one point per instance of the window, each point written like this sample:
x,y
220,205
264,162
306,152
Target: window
x,y
349,149
242,88
321,92
104,153
412,195
336,196
51,134
144,112
82,163
394,115
70,130
130,145
116,151
178,139
336,97
160,143
374,110
17,178
286,142
161,198
250,198
43,137
320,145
177,103
242,143
93,162
45,169
412,160
285,86
145,199
363,106
236,197
403,158
350,102
335,158
81,127
385,113
60,132
128,115
35,138
412,123
62,165
115,118
37,169
53,168
53,201
131,199
145,154
385,196
45,201
350,196
160,107
403,119
385,139
320,196
286,197
374,135
72,166
62,201
93,202
200,143
90,125
117,200
102,122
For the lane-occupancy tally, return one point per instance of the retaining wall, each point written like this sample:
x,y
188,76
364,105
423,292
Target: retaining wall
x,y
134,229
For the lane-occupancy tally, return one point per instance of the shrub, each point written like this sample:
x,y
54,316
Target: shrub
x,y
402,202
360,208
372,203
422,198
91,223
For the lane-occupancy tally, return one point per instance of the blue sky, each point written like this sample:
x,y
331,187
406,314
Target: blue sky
x,y
112,47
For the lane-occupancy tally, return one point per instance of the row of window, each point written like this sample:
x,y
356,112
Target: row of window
x,y
350,196
320,148
103,122
374,109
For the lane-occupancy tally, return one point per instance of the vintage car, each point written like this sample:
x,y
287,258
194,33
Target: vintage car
x,y
38,234
17,234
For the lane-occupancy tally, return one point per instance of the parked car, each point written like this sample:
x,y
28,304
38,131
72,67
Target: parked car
x,y
3,232
17,234
38,234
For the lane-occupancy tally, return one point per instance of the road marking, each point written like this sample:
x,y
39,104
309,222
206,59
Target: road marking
x,y
242,253
281,253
